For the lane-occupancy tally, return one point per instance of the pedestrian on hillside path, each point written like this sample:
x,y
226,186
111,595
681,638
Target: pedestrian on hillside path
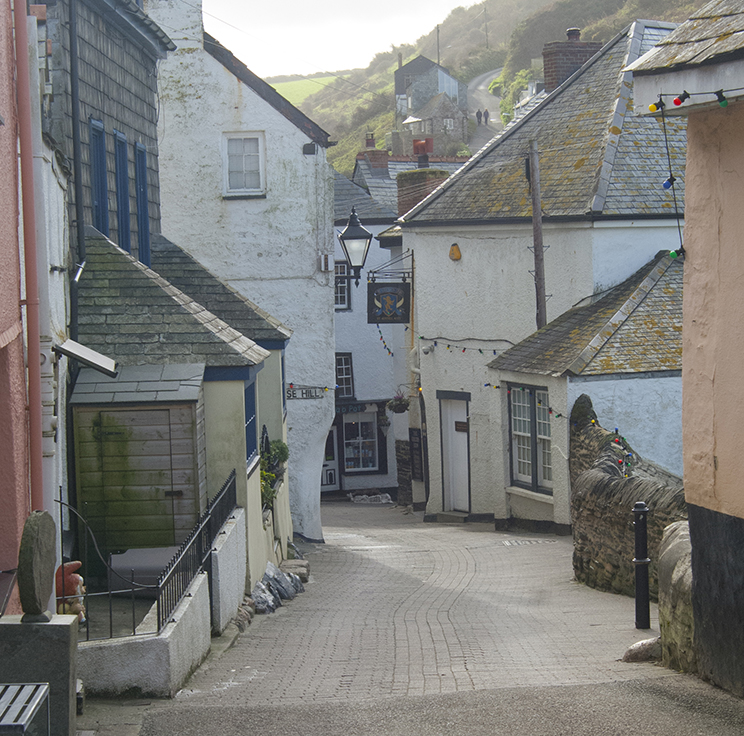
x,y
478,116
485,116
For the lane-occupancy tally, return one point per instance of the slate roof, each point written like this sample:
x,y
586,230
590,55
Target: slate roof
x,y
635,327
136,383
127,13
438,105
713,34
596,158
130,313
189,276
264,90
381,182
347,194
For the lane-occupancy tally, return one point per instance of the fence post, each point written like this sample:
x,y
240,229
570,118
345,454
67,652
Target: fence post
x,y
641,562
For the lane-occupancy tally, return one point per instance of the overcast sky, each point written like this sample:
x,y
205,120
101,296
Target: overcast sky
x,y
294,37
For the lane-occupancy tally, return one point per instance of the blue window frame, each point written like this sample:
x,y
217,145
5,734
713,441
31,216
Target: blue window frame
x,y
98,185
284,385
251,435
143,215
122,190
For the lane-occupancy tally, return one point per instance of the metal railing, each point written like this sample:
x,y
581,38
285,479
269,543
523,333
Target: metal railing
x,y
195,553
193,556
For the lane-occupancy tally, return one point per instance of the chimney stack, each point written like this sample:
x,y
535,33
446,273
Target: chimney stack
x,y
562,58
415,185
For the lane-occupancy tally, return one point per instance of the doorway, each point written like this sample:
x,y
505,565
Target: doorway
x,y
455,453
329,480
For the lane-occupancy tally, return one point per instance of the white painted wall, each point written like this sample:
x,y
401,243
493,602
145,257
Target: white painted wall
x,y
228,571
268,248
375,375
646,411
486,301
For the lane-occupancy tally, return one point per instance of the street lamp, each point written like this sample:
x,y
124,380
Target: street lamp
x,y
355,241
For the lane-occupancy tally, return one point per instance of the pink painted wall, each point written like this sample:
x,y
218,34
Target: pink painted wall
x,y
713,307
14,486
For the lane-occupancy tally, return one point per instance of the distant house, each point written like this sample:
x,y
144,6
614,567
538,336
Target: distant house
x,y
366,368
698,72
256,209
624,350
441,120
420,80
605,214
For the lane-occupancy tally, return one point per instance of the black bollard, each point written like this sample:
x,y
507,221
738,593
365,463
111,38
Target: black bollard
x,y
641,562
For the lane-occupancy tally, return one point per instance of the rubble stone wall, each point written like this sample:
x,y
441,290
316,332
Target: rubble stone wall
x,y
403,459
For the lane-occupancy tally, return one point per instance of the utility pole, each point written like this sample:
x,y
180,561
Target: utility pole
x,y
437,44
537,236
485,17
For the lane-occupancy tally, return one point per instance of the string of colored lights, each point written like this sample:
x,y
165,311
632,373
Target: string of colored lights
x,y
628,459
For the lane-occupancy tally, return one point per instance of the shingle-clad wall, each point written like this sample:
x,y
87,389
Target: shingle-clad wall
x,y
118,86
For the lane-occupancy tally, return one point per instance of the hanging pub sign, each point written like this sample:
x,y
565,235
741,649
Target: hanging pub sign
x,y
388,302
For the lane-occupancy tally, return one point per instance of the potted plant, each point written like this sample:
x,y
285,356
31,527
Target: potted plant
x,y
398,404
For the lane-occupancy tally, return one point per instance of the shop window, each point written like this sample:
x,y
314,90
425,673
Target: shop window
x,y
360,442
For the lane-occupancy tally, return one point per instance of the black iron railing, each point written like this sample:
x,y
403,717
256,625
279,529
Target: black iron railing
x,y
194,554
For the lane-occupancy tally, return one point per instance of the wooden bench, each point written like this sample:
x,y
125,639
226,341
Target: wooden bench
x,y
19,705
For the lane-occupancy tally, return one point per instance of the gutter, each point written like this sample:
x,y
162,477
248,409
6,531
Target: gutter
x,y
33,338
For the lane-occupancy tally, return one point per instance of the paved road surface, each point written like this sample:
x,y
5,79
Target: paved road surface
x,y
479,98
409,628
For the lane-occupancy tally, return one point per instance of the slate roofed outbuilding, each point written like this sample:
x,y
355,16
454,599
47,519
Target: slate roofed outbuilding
x,y
189,276
713,34
264,90
130,313
347,194
635,327
597,160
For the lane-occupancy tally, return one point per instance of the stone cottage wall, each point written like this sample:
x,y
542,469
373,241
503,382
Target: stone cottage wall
x,y
601,506
403,459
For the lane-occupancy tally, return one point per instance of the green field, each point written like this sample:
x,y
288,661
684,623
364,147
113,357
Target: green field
x,y
297,91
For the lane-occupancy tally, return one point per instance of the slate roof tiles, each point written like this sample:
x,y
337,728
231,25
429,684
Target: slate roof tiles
x,y
635,327
596,158
130,313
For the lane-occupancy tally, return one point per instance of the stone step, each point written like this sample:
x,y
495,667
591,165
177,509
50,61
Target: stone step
x,y
451,517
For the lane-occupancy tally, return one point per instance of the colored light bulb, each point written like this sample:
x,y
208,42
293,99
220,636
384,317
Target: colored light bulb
x,y
679,99
722,101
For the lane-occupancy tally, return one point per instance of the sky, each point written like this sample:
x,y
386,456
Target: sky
x,y
295,37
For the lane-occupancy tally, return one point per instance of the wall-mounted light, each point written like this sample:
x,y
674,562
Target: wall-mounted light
x,y
454,252
355,241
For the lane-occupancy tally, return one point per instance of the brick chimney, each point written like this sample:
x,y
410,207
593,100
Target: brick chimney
x,y
562,58
416,184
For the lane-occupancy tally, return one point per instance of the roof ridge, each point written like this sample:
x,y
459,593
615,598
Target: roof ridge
x,y
242,345
264,90
510,130
618,319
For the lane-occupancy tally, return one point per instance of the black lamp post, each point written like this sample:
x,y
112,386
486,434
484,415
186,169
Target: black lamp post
x,y
355,241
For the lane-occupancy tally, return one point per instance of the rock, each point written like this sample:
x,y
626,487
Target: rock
x,y
37,559
301,568
281,581
648,650
264,599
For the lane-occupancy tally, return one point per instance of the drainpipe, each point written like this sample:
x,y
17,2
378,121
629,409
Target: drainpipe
x,y
33,339
77,169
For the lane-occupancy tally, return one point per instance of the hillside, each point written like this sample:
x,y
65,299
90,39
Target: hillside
x,y
362,100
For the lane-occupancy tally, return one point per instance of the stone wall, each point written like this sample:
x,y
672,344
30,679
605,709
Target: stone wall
x,y
602,498
403,458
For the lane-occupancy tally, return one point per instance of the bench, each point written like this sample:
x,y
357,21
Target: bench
x,y
19,705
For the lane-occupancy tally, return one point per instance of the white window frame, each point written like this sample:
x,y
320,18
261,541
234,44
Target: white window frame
x,y
344,376
260,190
530,432
361,454
342,286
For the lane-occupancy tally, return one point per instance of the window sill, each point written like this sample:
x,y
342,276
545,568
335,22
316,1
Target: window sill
x,y
544,497
252,464
244,196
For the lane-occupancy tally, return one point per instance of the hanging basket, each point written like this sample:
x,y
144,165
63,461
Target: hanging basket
x,y
398,404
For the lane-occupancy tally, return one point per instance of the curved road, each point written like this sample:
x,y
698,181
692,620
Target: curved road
x,y
479,98
412,629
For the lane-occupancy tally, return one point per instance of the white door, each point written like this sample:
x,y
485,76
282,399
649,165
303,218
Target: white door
x,y
456,473
329,477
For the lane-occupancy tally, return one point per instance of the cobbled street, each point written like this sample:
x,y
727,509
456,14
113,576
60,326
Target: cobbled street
x,y
408,628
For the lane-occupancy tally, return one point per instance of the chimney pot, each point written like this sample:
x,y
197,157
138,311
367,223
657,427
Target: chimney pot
x,y
574,34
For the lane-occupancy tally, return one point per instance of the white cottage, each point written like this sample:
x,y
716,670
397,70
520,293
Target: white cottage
x,y
247,191
605,214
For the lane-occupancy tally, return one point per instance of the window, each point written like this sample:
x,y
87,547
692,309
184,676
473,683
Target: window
x,y
143,212
360,442
244,164
343,292
344,376
449,124
531,458
98,183
251,436
122,190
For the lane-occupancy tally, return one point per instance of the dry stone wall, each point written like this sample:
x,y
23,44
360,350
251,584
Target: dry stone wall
x,y
602,499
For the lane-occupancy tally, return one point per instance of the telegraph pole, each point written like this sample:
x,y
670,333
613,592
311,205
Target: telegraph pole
x,y
537,236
